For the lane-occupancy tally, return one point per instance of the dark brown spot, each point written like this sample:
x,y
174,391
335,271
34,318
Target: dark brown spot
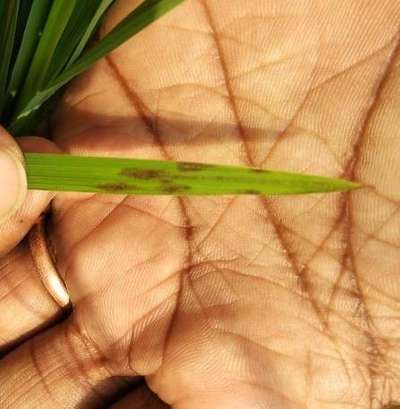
x,y
191,167
173,189
257,170
251,192
142,173
114,187
166,181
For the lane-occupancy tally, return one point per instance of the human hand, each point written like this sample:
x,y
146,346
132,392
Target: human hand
x,y
233,302
12,177
19,210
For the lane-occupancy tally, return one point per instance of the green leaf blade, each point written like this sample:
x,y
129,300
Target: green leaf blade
x,y
56,23
149,177
76,35
91,27
8,29
36,20
148,12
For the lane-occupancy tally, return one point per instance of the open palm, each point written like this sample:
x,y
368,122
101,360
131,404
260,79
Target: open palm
x,y
241,302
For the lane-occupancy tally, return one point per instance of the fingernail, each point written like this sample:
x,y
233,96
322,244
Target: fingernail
x,y
13,184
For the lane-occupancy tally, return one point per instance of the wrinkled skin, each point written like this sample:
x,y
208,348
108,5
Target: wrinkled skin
x,y
241,302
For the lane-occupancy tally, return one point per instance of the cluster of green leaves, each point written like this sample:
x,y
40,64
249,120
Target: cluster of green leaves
x,y
43,46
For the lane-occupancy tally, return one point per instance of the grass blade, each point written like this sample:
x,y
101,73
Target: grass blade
x,y
140,18
56,23
9,17
31,35
150,177
23,14
101,10
148,12
74,35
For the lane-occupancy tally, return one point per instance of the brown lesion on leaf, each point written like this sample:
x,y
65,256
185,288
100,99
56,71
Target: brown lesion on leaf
x,y
165,180
248,192
114,187
192,167
173,189
142,173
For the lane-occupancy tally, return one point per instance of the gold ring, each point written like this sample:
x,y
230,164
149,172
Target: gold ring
x,y
45,264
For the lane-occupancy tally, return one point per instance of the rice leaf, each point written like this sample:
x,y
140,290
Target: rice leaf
x,y
150,177
31,34
137,20
91,27
8,20
56,23
23,14
75,38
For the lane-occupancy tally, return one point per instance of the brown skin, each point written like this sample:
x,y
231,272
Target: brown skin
x,y
232,302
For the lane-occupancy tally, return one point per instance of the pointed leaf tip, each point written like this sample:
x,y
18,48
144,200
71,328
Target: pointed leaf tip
x,y
57,172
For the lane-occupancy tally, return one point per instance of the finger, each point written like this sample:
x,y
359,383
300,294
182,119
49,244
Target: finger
x,y
13,183
26,206
58,368
140,398
22,293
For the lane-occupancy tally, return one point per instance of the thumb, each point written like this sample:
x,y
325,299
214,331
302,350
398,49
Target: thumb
x,y
19,208
13,184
